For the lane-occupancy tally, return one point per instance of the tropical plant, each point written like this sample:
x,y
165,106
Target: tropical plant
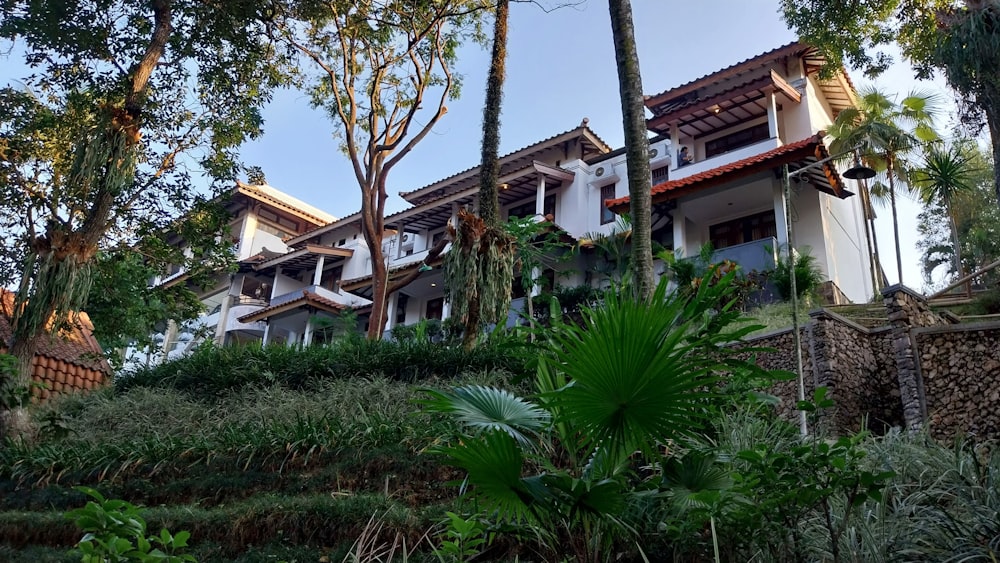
x,y
943,175
636,376
636,145
613,259
537,245
885,133
808,275
115,531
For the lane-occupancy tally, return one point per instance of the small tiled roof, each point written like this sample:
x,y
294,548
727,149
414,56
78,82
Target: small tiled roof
x,y
806,148
308,298
69,361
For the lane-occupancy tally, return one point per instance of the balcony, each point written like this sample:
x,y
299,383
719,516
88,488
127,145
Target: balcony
x,y
343,298
724,158
759,255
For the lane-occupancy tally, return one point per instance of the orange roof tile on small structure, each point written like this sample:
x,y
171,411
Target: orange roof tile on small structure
x,y
811,147
66,362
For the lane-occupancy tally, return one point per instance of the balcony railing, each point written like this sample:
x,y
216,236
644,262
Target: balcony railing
x,y
759,255
723,159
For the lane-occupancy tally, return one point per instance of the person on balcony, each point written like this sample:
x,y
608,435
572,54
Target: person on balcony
x,y
684,158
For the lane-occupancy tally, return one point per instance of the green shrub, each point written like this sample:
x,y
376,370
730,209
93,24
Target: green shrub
x,y
808,275
213,370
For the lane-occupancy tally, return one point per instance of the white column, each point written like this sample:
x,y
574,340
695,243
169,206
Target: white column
x,y
540,196
391,310
293,337
247,230
680,234
267,334
675,144
399,240
307,339
445,310
274,286
772,115
454,214
318,273
779,212
535,288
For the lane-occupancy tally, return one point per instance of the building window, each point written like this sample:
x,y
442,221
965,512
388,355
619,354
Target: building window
x,y
659,175
528,209
607,192
435,308
401,302
738,139
744,229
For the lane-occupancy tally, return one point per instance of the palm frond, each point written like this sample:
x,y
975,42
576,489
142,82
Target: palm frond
x,y
486,409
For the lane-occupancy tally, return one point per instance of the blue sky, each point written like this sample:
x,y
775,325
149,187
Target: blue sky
x,y
560,69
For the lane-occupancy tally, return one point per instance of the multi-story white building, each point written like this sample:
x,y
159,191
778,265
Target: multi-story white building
x,y
740,126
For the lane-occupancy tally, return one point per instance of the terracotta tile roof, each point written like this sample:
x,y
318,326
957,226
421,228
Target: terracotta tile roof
x,y
734,69
308,298
66,362
806,148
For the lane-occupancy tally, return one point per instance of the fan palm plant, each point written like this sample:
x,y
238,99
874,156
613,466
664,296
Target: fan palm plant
x,y
946,172
635,380
886,132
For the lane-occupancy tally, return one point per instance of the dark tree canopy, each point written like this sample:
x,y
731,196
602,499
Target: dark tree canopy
x,y
127,101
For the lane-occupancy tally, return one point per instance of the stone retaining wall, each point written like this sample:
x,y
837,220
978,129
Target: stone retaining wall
x,y
921,369
960,369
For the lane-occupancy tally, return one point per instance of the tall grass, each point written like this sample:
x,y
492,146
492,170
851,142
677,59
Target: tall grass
x,y
148,432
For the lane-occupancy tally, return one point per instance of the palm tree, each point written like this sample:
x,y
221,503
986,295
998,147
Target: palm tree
x,y
946,173
886,132
480,266
636,143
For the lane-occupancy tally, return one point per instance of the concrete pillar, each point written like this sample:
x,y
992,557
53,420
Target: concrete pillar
x,y
772,115
293,338
391,310
399,240
235,288
247,230
778,196
267,334
274,286
540,196
318,272
675,144
680,233
454,214
307,338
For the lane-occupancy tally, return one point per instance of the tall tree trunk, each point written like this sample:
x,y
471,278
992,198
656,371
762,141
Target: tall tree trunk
x,y
489,170
993,121
380,291
489,173
959,270
636,143
895,220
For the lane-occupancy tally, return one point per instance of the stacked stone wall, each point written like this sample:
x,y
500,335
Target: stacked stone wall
x,y
783,358
960,368
921,369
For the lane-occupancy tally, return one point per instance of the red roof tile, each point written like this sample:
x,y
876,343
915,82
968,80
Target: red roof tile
x,y
811,146
66,361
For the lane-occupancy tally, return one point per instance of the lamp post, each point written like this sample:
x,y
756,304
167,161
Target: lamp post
x,y
856,172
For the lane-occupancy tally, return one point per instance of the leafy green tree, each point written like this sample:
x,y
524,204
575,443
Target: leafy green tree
x,y
635,377
885,133
636,145
945,173
92,149
383,71
976,220
958,39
